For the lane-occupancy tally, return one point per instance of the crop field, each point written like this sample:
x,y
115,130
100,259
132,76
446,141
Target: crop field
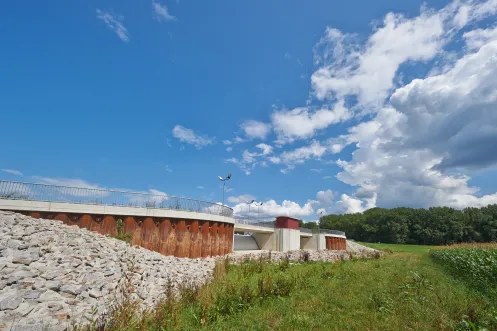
x,y
476,264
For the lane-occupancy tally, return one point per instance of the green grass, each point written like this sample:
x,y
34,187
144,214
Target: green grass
x,y
398,248
405,290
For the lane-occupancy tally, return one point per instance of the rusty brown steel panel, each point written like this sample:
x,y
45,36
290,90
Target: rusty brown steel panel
x,y
230,237
150,234
196,240
172,242
206,240
164,232
214,239
85,221
131,226
228,229
182,239
97,224
109,225
187,238
63,217
220,234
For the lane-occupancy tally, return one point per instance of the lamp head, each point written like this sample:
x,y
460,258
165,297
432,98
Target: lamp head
x,y
220,178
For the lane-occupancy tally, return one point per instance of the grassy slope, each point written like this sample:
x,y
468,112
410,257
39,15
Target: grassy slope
x,y
376,295
404,290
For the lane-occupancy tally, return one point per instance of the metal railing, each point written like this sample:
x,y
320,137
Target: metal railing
x,y
326,231
271,224
254,223
95,196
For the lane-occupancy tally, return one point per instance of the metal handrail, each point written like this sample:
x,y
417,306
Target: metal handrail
x,y
13,190
339,233
254,223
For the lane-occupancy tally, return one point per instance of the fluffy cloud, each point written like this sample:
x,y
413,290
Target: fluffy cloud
x,y
368,70
479,37
270,209
301,123
250,160
414,152
420,140
255,129
325,197
325,203
302,154
190,137
115,23
266,149
161,13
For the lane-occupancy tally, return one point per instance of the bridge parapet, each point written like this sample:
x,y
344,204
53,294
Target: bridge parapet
x,y
11,190
176,226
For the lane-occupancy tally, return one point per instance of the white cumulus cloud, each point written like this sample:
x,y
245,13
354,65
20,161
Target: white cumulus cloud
x,y
190,137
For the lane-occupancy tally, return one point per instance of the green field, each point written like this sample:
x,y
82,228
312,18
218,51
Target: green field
x,y
397,248
404,290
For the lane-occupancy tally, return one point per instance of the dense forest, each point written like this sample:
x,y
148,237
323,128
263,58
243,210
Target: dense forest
x,y
434,226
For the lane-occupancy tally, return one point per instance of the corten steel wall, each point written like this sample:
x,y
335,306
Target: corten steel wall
x,y
168,236
335,243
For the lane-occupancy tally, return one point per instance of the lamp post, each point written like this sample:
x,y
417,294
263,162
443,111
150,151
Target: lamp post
x,y
224,183
319,220
258,206
249,203
319,233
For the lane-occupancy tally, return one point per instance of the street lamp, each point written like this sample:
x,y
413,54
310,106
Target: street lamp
x,y
258,206
224,183
319,220
249,203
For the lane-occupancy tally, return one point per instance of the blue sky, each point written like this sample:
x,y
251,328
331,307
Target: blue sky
x,y
312,106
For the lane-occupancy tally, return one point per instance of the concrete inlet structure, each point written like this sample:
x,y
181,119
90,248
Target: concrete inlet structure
x,y
286,235
175,226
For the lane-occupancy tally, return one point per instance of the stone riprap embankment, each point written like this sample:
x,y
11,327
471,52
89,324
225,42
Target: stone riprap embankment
x,y
52,275
353,249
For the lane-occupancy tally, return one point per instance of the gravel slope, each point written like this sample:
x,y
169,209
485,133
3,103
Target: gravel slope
x,y
53,274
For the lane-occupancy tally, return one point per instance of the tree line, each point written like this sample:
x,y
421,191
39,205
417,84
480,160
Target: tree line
x,y
433,226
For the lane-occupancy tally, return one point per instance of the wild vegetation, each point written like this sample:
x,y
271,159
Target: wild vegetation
x,y
434,226
121,235
404,290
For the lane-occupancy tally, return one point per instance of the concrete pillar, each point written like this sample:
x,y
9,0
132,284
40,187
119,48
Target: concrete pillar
x,y
288,239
